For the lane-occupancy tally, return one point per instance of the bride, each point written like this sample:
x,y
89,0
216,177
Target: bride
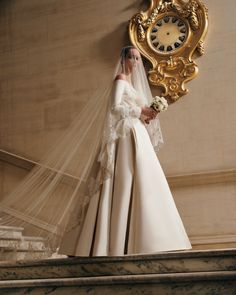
x,y
101,190
132,211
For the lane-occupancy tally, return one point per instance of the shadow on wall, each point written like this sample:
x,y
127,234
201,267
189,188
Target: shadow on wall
x,y
139,5
109,47
4,3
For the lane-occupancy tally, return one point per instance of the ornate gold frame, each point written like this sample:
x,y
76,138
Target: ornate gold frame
x,y
171,70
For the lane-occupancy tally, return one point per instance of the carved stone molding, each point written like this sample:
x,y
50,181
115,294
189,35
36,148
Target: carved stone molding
x,y
203,178
212,177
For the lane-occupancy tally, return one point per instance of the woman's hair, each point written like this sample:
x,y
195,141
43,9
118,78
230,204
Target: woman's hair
x,y
125,50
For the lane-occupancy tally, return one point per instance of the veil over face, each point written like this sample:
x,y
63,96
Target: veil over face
x,y
75,168
131,64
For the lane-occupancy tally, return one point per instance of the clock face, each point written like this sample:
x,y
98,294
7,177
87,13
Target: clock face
x,y
168,34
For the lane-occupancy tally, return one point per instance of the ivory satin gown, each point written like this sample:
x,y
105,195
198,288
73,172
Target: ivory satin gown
x,y
134,212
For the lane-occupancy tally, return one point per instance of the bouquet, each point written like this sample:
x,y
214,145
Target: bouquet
x,y
159,104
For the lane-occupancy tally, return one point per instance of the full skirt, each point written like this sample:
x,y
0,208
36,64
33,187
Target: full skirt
x,y
134,212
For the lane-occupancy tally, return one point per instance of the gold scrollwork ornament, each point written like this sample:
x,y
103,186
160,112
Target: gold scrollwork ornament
x,y
168,34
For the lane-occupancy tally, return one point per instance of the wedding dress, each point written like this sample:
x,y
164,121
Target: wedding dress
x,y
134,211
101,190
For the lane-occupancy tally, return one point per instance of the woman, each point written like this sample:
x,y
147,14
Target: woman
x,y
131,209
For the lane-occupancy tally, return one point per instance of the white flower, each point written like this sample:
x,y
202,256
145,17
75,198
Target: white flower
x,y
159,104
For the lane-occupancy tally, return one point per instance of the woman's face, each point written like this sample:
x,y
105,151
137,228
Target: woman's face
x,y
132,59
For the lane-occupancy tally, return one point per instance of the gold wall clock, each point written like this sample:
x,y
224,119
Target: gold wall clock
x,y
169,34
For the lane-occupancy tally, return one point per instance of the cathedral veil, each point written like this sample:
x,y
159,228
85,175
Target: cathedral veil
x,y
54,197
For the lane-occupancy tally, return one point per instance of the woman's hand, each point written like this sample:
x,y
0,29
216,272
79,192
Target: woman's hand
x,y
149,114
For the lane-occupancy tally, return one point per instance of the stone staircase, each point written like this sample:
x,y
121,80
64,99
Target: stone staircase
x,y
200,272
15,246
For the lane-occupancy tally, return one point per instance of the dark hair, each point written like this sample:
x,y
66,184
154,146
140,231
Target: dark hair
x,y
125,50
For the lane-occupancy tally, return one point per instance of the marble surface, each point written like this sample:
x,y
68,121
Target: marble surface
x,y
171,273
162,263
208,283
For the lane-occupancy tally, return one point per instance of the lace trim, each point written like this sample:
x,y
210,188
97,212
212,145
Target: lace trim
x,y
120,123
126,112
155,134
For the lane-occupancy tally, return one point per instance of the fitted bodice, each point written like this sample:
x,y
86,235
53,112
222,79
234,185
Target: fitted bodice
x,y
130,96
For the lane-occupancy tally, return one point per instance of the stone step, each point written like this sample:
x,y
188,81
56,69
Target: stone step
x,y
162,263
14,246
10,232
11,254
199,283
23,243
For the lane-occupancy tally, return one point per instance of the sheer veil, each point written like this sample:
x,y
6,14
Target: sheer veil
x,y
54,197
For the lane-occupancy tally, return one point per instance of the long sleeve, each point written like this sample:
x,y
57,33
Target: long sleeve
x,y
118,106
